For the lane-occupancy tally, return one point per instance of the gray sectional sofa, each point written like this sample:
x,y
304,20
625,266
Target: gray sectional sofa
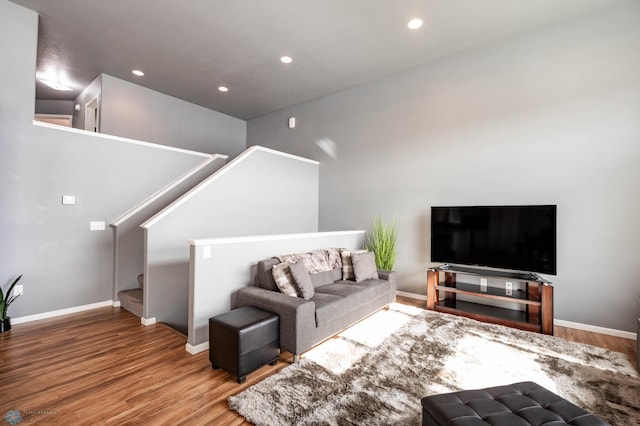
x,y
335,305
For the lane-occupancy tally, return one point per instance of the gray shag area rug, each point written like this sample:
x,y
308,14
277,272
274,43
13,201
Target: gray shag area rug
x,y
377,371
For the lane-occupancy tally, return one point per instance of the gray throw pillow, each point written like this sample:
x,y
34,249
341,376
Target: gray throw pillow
x,y
364,266
302,279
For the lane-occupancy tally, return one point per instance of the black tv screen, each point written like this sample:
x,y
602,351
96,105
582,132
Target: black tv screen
x,y
521,238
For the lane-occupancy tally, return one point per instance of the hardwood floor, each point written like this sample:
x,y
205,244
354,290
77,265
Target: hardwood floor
x,y
103,367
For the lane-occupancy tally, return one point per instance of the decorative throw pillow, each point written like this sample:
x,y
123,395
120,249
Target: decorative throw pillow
x,y
282,276
347,264
364,266
302,279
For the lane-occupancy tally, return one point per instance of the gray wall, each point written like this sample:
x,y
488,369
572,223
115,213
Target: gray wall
x,y
54,107
551,116
88,93
64,264
231,266
136,112
260,192
129,237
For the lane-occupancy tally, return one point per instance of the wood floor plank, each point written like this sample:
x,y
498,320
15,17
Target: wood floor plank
x,y
104,367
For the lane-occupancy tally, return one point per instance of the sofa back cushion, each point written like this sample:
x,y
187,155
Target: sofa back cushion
x,y
264,274
328,277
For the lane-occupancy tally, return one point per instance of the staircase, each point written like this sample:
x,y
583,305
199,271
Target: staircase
x,y
131,299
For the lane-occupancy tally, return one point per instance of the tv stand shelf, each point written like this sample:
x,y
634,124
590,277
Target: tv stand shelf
x,y
537,298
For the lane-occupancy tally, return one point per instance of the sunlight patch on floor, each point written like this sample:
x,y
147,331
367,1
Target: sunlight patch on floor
x,y
338,354
480,363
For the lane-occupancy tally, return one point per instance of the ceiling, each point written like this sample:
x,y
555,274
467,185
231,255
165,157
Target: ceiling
x,y
189,48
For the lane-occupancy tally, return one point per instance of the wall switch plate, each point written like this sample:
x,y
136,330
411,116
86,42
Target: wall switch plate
x,y
509,288
68,199
18,290
96,226
206,252
483,285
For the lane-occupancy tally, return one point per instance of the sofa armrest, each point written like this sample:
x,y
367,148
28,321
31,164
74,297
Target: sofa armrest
x,y
296,314
392,277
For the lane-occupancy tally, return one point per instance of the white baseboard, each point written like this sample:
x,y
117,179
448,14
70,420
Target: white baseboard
x,y
197,348
596,329
561,323
411,295
115,303
59,312
148,321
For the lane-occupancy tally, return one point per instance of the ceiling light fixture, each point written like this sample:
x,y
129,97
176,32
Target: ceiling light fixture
x,y
223,89
55,84
137,72
55,78
414,24
286,59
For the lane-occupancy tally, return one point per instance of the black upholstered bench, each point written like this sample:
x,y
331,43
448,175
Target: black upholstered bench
x,y
243,340
524,403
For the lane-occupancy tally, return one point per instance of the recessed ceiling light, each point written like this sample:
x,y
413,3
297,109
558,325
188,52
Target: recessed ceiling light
x,y
414,24
138,73
286,59
223,89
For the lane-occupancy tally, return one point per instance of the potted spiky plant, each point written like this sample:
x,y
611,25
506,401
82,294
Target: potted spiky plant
x,y
383,243
6,299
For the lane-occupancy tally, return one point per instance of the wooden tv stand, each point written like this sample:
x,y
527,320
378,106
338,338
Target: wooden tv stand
x,y
537,298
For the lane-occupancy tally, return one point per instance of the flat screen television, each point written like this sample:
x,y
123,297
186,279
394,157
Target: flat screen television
x,y
520,238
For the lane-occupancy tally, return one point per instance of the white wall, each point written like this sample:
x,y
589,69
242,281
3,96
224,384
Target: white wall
x,y
548,117
136,112
231,266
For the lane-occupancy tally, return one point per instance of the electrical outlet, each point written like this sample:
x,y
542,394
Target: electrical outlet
x,y
483,285
96,226
17,290
509,288
68,200
206,252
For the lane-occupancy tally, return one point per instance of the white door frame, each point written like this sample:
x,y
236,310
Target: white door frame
x,y
92,115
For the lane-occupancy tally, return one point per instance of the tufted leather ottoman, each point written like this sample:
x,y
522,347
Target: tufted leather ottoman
x,y
243,340
524,403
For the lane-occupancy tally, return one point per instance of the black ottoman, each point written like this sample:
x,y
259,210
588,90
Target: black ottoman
x,y
525,404
243,340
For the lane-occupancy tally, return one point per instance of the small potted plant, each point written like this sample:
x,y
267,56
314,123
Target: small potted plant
x,y
383,243
7,299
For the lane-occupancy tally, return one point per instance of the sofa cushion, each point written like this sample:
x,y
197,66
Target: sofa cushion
x,y
364,266
264,274
334,300
328,277
302,280
284,280
374,288
328,307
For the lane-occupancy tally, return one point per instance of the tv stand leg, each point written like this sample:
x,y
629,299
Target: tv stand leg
x,y
546,302
432,292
